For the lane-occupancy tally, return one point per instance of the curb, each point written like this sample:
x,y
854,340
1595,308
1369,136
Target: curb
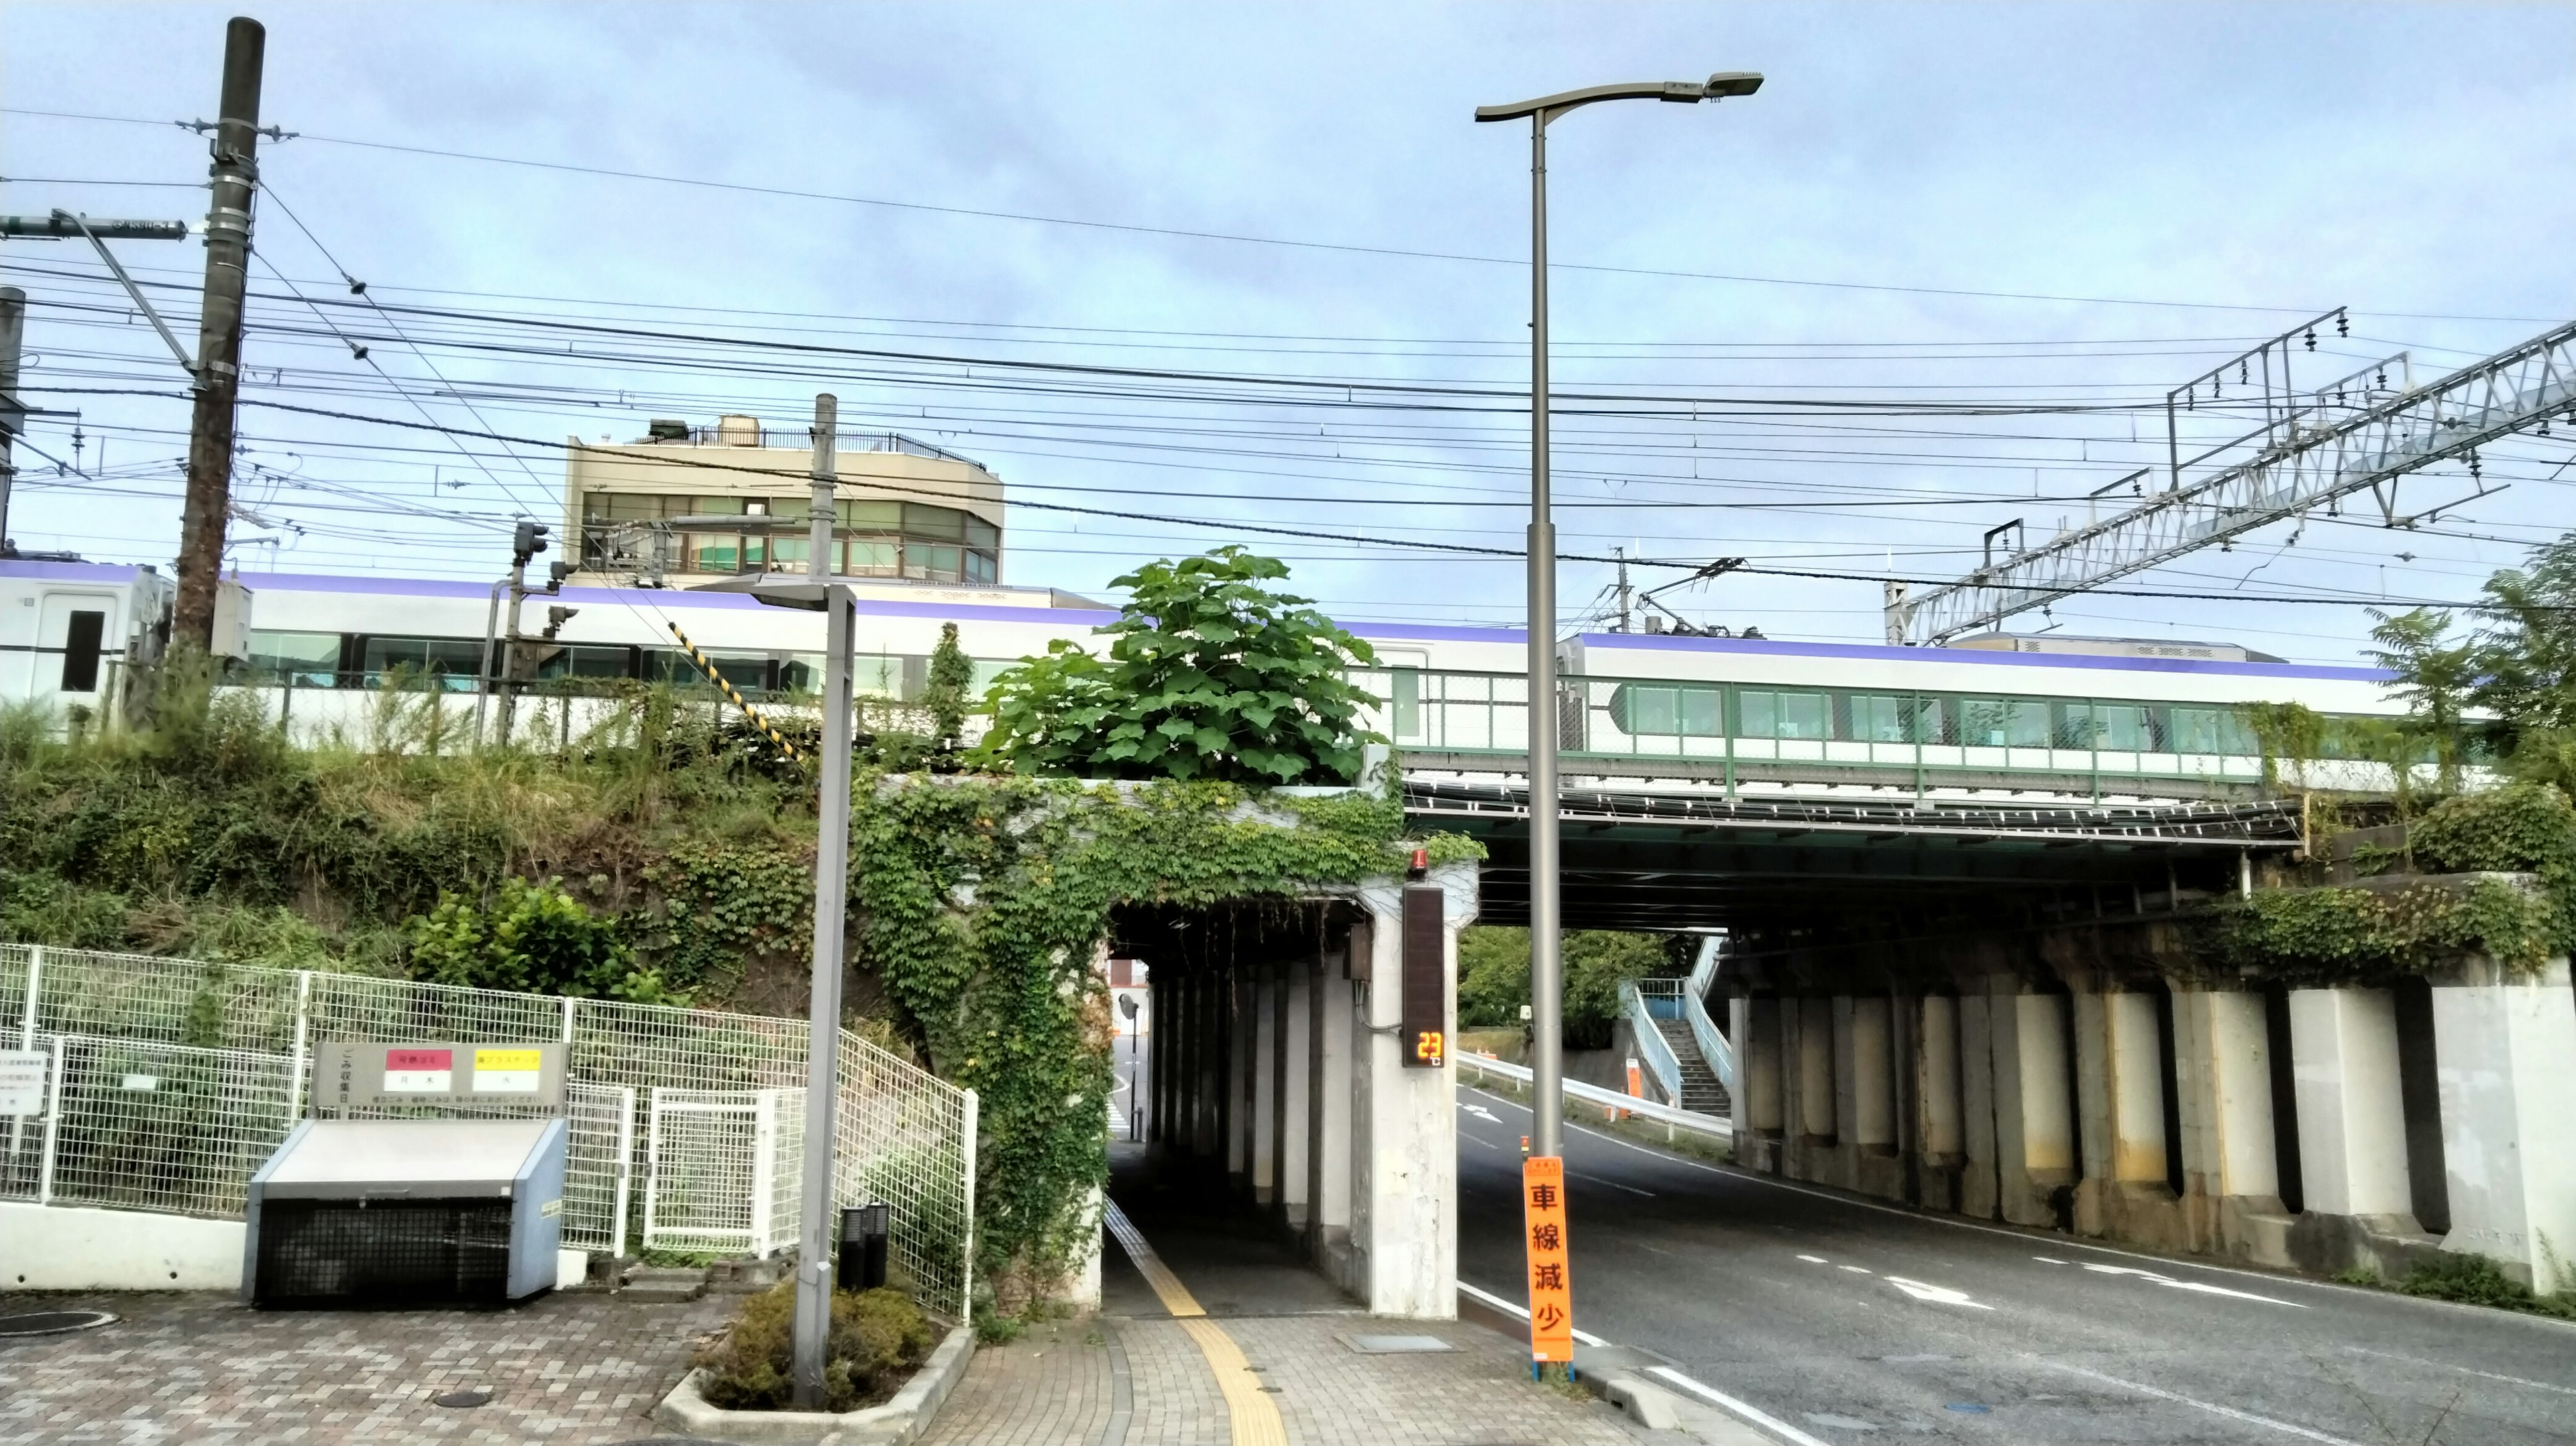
x,y
892,1424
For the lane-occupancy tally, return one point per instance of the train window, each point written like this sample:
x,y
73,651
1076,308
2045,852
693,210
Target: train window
x,y
2210,730
307,660
1877,717
84,636
748,672
1669,712
455,662
2003,723
1766,714
581,660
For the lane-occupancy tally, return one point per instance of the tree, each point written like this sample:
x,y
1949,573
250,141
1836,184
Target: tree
x,y
2526,662
944,695
1493,978
2435,683
1210,674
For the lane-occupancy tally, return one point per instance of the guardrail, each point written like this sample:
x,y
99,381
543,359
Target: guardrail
x,y
1713,1045
1672,1119
1652,1048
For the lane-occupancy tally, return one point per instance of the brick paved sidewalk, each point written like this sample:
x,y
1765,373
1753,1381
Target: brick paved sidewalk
x,y
1061,1386
203,1370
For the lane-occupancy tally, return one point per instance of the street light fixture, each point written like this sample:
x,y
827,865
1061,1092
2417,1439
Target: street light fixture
x,y
1547,971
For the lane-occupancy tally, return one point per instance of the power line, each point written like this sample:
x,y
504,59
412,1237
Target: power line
x,y
1239,238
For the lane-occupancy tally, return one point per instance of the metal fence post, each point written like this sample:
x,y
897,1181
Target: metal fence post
x,y
764,1150
625,1164
295,1063
35,984
966,1265
53,1127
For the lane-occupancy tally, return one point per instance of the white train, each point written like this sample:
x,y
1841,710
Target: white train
x,y
2101,718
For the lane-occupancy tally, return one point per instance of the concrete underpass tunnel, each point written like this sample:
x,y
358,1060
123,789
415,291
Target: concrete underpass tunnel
x,y
2102,1074
1286,1112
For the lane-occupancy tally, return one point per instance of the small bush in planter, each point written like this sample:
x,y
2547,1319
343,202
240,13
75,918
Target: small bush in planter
x,y
879,1338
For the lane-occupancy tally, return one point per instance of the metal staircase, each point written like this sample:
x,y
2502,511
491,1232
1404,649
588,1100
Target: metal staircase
x,y
1701,1090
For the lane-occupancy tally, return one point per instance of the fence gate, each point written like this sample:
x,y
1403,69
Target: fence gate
x,y
721,1169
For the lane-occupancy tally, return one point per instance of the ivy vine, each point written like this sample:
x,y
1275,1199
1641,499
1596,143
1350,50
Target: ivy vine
x,y
982,901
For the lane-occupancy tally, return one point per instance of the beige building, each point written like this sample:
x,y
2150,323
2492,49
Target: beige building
x,y
906,509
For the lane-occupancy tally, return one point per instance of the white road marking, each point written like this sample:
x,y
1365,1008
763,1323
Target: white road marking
x,y
2464,1370
1471,1139
1613,1184
2202,1287
1498,1303
2046,1260
1751,1414
1481,1112
2212,1407
1955,1223
1856,1270
1937,1294
1832,1422
1813,1259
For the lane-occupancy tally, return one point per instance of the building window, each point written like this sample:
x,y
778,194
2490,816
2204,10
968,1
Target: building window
x,y
875,539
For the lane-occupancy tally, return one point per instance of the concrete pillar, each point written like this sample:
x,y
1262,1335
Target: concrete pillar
x,y
1873,1060
1937,1073
2506,1060
1296,1064
1328,1100
1268,1001
1739,1028
1404,1226
2047,1113
1760,1065
2231,1175
1985,1097
1237,1082
2136,1089
1209,1081
2352,1118
1816,1068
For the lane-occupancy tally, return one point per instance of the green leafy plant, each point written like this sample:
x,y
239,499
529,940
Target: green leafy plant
x,y
1210,674
535,938
1494,978
943,695
2477,1280
878,1339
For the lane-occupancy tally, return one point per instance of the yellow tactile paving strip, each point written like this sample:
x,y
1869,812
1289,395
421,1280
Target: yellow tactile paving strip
x,y
1252,1415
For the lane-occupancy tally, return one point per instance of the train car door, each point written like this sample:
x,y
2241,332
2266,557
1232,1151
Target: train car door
x,y
78,644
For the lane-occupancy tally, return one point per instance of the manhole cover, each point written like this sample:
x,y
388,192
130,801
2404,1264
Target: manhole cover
x,y
1395,1345
52,1322
461,1398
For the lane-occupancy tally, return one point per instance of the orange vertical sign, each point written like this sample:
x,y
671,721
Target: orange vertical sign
x,y
1551,1293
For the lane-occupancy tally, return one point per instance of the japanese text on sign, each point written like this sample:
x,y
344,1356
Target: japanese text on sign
x,y
1551,1294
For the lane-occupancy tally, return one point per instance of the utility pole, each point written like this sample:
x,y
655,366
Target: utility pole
x,y
819,520
525,544
1623,587
13,413
219,334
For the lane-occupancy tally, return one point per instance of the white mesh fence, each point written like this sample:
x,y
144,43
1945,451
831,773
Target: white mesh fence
x,y
234,1042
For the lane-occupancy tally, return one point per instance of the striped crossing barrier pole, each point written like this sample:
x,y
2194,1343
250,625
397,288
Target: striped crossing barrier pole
x,y
748,711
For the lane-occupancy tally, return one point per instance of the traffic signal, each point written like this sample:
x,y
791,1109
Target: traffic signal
x,y
529,541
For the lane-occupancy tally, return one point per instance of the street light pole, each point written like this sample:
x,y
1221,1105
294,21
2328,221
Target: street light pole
x,y
812,1325
1547,962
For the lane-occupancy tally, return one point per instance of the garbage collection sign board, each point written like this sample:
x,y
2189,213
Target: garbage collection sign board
x,y
365,1073
22,1081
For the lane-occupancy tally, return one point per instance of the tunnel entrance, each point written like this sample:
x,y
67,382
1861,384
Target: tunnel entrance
x,y
1282,1106
1968,1007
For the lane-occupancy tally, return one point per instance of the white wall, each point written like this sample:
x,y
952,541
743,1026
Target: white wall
x,y
62,1247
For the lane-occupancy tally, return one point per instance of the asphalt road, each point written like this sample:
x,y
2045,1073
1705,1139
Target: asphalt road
x,y
1857,1323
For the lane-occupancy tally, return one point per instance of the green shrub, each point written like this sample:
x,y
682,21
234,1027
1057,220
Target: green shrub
x,y
2477,1280
2523,828
535,938
879,1338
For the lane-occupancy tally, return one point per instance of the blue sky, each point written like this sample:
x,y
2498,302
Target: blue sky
x,y
2255,163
